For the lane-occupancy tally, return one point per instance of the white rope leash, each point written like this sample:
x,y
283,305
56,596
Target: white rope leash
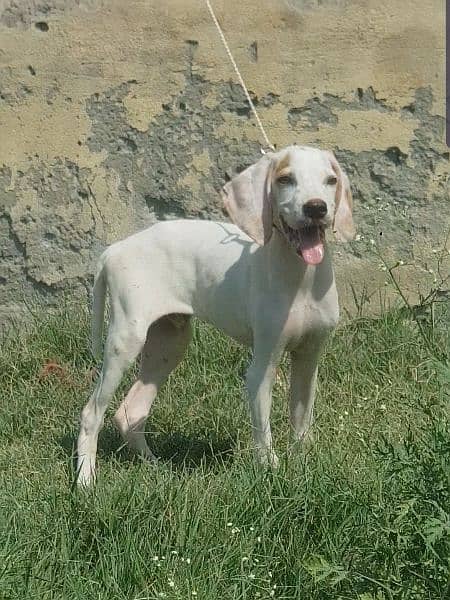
x,y
241,81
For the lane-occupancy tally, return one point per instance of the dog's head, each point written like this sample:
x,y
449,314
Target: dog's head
x,y
301,190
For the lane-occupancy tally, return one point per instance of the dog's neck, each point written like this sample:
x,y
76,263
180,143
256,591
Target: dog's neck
x,y
281,260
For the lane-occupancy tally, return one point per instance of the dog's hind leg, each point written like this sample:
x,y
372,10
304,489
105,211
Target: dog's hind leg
x,y
166,343
126,338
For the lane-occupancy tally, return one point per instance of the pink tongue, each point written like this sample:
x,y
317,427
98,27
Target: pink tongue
x,y
311,246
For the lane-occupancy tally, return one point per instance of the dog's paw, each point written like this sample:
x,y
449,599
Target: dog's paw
x,y
85,474
267,459
305,439
148,456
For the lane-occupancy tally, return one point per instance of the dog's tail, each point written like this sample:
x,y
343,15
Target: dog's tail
x,y
98,309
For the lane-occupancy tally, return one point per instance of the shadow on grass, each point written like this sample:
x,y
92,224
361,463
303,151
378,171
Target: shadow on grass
x,y
181,450
188,451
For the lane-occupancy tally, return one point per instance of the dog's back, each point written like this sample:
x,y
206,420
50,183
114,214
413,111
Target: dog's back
x,y
169,268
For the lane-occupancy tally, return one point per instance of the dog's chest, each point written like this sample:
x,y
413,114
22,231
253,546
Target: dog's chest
x,y
308,317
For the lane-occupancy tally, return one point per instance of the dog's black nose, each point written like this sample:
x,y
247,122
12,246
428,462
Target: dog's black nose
x,y
315,208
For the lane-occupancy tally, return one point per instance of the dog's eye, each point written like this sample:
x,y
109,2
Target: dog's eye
x,y
331,180
286,180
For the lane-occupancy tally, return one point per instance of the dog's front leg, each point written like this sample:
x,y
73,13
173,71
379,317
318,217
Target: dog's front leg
x,y
260,379
303,386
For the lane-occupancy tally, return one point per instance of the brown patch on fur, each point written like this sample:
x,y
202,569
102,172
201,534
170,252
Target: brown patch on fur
x,y
282,167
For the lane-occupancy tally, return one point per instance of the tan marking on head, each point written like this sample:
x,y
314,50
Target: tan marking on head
x,y
283,166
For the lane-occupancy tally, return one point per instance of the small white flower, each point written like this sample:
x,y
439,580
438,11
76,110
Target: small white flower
x,y
171,583
346,413
258,539
174,552
194,593
229,524
244,558
188,561
155,558
251,576
272,593
235,530
400,263
270,574
359,405
357,238
382,406
252,528
372,242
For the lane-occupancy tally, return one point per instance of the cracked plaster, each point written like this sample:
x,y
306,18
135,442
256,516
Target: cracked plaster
x,y
114,115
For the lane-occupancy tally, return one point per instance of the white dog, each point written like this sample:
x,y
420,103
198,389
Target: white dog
x,y
266,281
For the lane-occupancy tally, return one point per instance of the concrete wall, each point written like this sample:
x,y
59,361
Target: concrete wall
x,y
114,114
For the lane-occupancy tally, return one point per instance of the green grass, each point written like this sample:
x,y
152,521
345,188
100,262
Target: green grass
x,y
363,515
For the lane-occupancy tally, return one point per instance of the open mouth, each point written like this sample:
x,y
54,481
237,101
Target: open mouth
x,y
308,241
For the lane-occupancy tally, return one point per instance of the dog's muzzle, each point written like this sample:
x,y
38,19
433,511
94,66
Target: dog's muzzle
x,y
315,208
307,239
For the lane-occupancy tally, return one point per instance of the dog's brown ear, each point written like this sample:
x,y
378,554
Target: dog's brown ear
x,y
247,200
343,226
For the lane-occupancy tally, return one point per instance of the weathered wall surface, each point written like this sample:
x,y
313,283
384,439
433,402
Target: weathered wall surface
x,y
115,114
